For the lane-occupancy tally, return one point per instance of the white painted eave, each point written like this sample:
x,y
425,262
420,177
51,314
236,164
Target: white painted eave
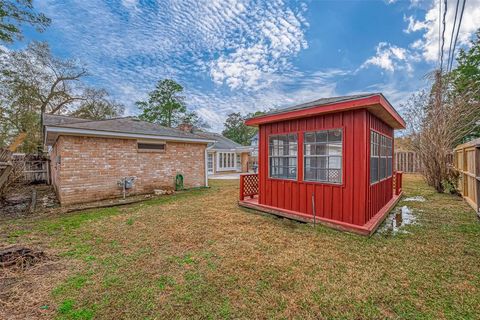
x,y
52,133
239,149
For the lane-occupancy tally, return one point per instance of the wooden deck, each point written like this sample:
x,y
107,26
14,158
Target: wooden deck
x,y
367,229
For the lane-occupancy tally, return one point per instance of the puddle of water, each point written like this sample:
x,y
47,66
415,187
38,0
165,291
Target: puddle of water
x,y
416,198
396,221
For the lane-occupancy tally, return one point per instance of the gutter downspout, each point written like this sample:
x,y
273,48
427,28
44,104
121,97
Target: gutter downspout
x,y
205,160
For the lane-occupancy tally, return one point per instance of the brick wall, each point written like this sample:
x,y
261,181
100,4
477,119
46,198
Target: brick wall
x,y
54,168
91,167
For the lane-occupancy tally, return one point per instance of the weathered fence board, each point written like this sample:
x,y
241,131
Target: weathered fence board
x,y
467,163
5,155
5,165
408,162
35,169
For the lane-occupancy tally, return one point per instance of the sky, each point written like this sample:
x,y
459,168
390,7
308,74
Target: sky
x,y
244,56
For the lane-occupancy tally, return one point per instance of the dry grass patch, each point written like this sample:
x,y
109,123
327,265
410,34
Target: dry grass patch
x,y
198,255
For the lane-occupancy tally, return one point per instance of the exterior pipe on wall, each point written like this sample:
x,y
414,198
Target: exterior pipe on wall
x,y
205,159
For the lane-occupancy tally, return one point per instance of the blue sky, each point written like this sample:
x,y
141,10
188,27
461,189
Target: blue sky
x,y
245,56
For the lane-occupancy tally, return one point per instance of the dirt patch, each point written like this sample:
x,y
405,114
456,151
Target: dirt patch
x,y
27,278
24,199
17,201
20,257
26,294
115,202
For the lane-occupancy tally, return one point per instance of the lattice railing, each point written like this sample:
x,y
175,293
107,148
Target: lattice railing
x,y
248,185
397,182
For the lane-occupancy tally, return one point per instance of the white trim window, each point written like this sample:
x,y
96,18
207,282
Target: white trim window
x,y
381,157
282,156
323,153
226,161
210,162
238,163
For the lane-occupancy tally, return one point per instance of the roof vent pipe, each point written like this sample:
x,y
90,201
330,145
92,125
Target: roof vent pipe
x,y
185,127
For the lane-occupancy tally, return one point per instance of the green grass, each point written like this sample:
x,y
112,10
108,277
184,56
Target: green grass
x,y
67,310
198,255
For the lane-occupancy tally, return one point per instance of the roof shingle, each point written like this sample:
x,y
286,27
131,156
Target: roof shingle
x,y
221,141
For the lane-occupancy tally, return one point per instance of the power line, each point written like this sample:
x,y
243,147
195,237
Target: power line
x,y
443,35
456,36
451,36
439,30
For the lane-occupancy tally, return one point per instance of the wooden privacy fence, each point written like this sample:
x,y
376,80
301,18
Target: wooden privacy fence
x,y
467,164
408,162
5,165
36,169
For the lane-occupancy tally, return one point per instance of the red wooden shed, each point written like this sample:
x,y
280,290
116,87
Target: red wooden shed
x,y
329,161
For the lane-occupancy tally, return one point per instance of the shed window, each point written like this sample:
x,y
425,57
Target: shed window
x,y
381,157
158,147
323,156
282,156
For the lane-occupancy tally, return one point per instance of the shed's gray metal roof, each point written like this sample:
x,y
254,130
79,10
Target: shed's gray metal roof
x,y
322,101
121,125
222,143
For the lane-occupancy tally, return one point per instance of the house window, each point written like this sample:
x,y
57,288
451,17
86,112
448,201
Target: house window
x,y
239,161
323,156
381,157
282,156
226,161
151,147
210,162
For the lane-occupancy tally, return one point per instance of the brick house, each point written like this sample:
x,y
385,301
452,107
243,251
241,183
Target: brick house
x,y
89,158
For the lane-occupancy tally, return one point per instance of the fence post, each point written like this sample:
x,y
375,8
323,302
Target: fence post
x,y
476,158
398,182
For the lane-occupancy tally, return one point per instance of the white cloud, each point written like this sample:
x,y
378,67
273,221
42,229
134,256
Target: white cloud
x,y
415,3
429,45
276,34
391,58
238,44
130,4
308,87
413,25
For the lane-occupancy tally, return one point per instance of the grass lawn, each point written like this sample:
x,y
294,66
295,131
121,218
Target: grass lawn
x,y
198,255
